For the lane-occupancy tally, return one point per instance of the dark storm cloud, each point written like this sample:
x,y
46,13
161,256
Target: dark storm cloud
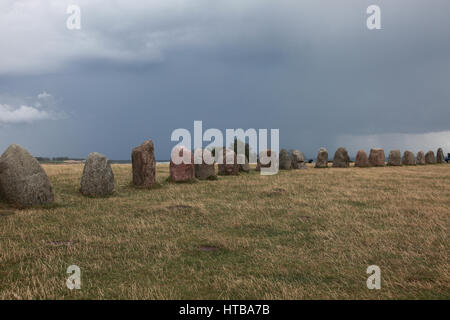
x,y
141,69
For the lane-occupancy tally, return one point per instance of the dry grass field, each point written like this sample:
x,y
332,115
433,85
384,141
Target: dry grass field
x,y
305,234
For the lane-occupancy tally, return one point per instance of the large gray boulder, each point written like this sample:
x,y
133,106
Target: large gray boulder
x,y
361,161
98,178
420,158
144,164
430,158
408,158
285,160
440,158
22,179
341,158
322,158
395,158
298,160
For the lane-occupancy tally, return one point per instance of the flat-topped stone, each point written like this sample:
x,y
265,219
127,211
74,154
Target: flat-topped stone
x,y
181,166
376,157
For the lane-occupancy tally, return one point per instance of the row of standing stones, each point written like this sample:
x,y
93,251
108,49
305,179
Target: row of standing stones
x,y
377,158
24,182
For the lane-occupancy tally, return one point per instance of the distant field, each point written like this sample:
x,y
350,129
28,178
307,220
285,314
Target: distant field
x,y
305,234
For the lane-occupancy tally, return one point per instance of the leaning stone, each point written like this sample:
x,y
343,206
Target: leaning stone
x,y
341,158
420,159
228,165
376,157
22,179
408,158
298,160
181,166
361,160
395,158
144,164
440,158
285,160
98,177
322,158
203,170
429,158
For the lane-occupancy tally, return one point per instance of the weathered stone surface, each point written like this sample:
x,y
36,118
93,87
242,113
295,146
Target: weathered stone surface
x,y
181,166
440,158
395,158
267,154
297,160
285,160
22,179
229,165
244,166
376,157
420,159
203,170
430,158
322,158
341,158
408,158
144,164
361,161
98,178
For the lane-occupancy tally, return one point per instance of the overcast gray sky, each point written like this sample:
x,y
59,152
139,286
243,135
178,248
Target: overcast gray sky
x,y
140,69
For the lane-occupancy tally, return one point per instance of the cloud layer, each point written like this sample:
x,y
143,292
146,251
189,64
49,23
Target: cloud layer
x,y
139,69
43,108
23,114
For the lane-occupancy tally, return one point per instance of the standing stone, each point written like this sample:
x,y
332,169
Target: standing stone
x,y
361,160
420,159
376,157
98,177
181,165
429,158
395,158
244,166
285,160
22,179
203,170
408,158
228,165
322,158
267,154
341,158
298,160
144,164
440,156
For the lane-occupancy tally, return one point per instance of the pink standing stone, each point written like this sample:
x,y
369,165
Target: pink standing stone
x,y
181,164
